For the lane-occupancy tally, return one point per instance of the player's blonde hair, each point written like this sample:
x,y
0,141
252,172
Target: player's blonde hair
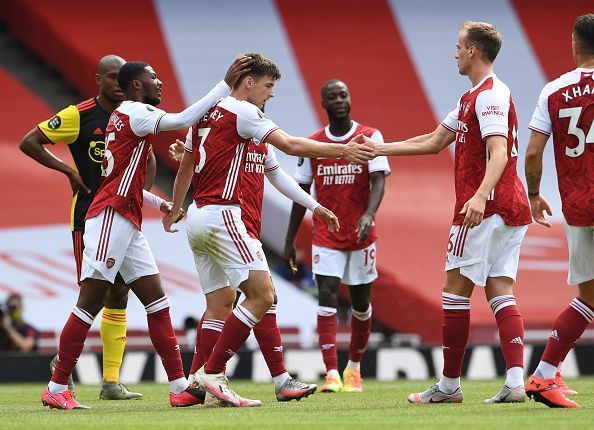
x,y
484,37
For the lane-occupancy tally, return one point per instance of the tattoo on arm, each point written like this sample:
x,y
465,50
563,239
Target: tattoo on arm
x,y
533,181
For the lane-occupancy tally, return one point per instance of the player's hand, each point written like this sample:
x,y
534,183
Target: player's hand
x,y
364,227
170,217
328,217
538,206
240,67
289,257
358,151
76,183
176,150
474,209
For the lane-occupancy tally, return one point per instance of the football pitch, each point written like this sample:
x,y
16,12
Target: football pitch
x,y
383,405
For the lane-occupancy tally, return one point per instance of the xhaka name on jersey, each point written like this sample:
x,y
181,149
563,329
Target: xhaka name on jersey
x,y
338,174
576,91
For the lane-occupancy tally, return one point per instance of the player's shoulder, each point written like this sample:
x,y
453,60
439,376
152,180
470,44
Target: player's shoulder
x,y
319,135
86,104
365,129
137,109
241,108
566,79
493,90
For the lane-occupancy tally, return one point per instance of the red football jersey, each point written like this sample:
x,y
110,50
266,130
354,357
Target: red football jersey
x,y
566,109
343,188
129,135
260,159
487,110
219,143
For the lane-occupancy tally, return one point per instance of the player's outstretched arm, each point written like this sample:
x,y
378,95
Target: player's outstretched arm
x,y
303,147
180,189
291,189
431,143
474,209
190,115
297,214
533,169
33,146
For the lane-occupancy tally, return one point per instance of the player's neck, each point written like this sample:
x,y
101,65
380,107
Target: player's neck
x,y
340,126
106,105
586,63
479,72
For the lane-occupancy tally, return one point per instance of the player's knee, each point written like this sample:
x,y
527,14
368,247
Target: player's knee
x,y
327,298
360,305
93,307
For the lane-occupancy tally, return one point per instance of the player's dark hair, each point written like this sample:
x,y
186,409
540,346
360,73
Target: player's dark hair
x,y
129,72
583,33
261,66
484,36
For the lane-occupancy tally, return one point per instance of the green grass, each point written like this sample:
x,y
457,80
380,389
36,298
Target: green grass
x,y
382,406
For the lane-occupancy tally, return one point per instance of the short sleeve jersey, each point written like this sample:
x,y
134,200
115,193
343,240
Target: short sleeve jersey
x,y
219,143
129,137
82,128
343,188
483,111
565,109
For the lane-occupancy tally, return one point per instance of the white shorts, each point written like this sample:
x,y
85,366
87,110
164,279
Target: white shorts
x,y
580,241
113,244
352,267
489,250
223,251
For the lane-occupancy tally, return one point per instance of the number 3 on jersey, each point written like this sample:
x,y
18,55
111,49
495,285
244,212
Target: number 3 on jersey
x,y
574,115
107,163
202,133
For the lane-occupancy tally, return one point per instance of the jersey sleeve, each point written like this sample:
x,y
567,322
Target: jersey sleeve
x,y
451,120
379,164
62,127
144,119
541,119
252,123
188,143
492,109
304,173
270,162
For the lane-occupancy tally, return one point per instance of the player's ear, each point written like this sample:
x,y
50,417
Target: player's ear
x,y
97,79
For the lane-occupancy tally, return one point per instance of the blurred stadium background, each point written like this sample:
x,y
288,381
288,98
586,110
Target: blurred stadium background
x,y
397,56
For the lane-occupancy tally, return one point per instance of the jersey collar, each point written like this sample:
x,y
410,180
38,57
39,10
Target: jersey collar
x,y
341,138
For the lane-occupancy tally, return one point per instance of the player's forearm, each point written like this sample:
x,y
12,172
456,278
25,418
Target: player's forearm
x,y
431,143
533,161
291,189
494,170
190,115
376,192
303,147
182,183
152,200
34,148
297,214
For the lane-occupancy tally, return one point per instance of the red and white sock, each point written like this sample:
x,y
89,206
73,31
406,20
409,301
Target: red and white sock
x,y
360,330
165,342
236,330
567,330
269,339
72,342
327,337
455,332
197,358
211,331
511,337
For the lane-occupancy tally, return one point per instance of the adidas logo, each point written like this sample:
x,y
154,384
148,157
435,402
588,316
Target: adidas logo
x,y
554,335
327,346
230,352
176,347
278,349
517,340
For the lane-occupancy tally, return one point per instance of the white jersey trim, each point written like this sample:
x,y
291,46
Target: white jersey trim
x,y
231,182
346,136
130,170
